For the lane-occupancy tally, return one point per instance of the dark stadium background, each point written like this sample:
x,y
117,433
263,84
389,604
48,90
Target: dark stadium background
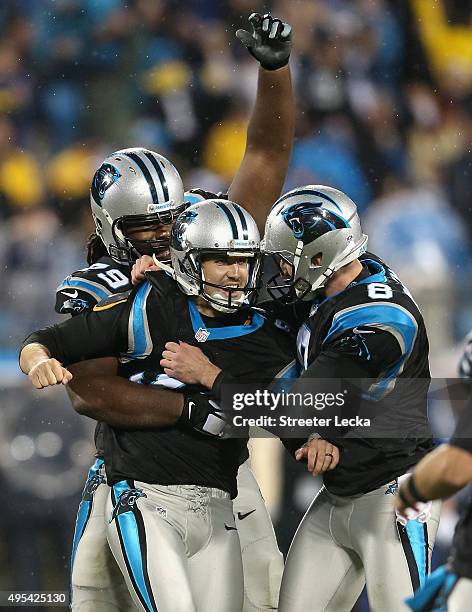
x,y
384,112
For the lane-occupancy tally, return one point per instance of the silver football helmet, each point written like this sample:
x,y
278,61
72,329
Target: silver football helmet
x,y
206,230
308,221
134,189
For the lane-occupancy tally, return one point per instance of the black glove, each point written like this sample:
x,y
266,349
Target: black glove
x,y
207,195
270,41
203,415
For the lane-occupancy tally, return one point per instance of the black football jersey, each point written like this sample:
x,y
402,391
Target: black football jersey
x,y
136,327
82,289
372,330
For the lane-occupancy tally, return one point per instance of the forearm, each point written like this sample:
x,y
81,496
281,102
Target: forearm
x,y
107,397
272,121
86,336
443,472
269,145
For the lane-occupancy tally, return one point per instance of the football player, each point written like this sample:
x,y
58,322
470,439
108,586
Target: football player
x,y
172,528
135,196
363,324
442,473
357,322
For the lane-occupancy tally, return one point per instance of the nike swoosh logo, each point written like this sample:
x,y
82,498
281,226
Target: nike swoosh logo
x,y
74,294
228,528
190,406
242,516
356,330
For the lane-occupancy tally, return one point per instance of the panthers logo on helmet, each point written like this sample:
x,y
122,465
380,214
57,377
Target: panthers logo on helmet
x,y
309,221
104,178
180,227
126,501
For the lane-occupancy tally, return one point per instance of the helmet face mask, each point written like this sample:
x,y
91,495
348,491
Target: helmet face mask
x,y
215,230
135,190
282,286
123,229
317,231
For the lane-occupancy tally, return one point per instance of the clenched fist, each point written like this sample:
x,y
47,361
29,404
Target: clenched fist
x,y
49,372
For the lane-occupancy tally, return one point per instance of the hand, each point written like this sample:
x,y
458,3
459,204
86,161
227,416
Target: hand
x,y
145,262
188,364
270,41
203,415
321,455
49,372
407,508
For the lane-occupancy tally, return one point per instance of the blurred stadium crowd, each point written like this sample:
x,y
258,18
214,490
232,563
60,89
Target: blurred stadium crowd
x,y
384,112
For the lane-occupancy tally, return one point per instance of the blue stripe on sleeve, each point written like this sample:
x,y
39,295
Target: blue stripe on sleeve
x,y
83,284
392,318
388,315
139,314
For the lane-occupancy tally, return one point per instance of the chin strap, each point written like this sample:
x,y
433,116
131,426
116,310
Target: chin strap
x,y
235,304
218,302
170,270
163,266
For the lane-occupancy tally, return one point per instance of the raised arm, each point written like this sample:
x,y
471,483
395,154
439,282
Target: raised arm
x,y
261,175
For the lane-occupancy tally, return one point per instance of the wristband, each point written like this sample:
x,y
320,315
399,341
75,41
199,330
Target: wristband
x,y
222,379
273,67
413,491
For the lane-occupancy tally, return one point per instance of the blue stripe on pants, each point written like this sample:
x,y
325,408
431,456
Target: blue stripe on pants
x,y
416,534
128,533
83,515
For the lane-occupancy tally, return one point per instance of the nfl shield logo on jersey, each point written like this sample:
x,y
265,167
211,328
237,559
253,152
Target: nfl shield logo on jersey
x,y
202,334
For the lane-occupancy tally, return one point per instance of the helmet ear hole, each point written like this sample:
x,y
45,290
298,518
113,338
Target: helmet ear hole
x,y
316,260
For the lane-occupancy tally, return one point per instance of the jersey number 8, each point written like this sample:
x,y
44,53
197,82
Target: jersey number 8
x,y
378,291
